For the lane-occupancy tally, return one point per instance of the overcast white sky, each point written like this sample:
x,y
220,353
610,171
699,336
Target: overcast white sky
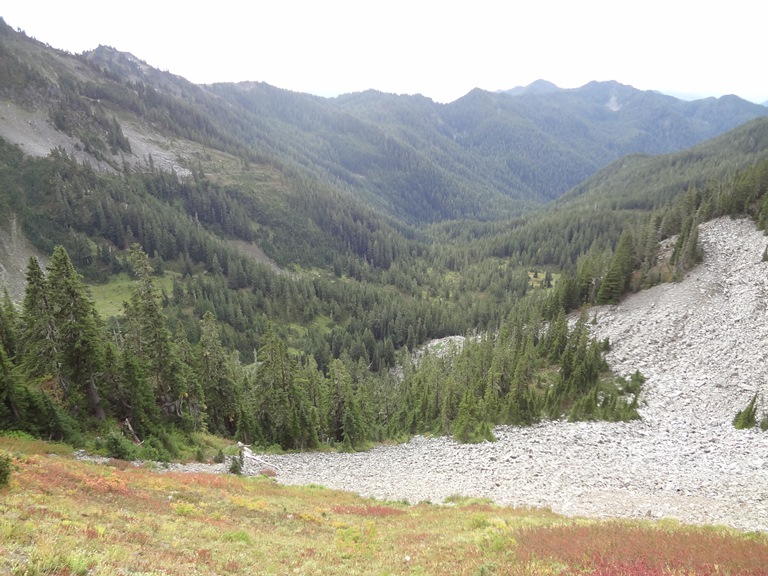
x,y
441,49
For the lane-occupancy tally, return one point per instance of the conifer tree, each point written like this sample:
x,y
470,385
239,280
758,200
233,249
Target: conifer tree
x,y
11,410
61,334
466,418
194,413
218,383
345,419
521,406
556,338
8,324
143,413
307,414
38,339
78,331
616,280
148,337
469,425
448,405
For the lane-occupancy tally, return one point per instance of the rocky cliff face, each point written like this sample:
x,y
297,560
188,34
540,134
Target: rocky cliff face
x,y
702,344
15,251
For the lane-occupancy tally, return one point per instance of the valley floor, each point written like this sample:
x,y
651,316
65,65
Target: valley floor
x,y
701,343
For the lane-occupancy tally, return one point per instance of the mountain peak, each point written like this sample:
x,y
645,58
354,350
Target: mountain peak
x,y
536,87
121,64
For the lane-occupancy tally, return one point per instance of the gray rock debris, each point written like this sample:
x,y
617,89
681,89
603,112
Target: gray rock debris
x,y
702,344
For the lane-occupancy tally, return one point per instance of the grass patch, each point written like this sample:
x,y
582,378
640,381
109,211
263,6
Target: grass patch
x,y
64,516
109,297
15,442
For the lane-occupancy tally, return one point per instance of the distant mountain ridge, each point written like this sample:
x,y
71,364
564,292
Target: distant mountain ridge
x,y
542,86
530,148
643,180
586,128
536,87
484,156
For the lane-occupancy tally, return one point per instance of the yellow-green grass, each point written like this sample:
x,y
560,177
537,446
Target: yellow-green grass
x,y
63,516
110,296
536,278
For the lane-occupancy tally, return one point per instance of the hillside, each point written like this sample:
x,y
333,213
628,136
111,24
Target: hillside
x,y
15,251
486,156
590,217
346,184
642,181
62,516
585,128
333,183
700,342
272,258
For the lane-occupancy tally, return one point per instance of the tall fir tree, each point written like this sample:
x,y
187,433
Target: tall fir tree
x,y
61,339
79,331
218,383
9,321
148,338
616,280
345,418
11,409
38,339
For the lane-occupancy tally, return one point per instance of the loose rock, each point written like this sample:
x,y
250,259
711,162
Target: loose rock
x,y
701,343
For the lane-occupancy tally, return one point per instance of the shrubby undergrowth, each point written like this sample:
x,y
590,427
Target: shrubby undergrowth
x,y
748,417
6,465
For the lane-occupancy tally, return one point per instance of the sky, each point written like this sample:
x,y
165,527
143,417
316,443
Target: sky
x,y
440,49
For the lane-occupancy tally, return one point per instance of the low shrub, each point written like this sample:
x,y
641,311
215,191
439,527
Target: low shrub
x,y
5,469
18,435
154,448
119,447
635,383
170,443
747,418
236,465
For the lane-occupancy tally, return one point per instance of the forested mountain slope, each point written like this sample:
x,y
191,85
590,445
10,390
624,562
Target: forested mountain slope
x,y
203,177
643,181
284,253
485,156
531,148
592,214
556,139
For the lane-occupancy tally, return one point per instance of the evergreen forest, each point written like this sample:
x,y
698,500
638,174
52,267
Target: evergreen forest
x,y
284,261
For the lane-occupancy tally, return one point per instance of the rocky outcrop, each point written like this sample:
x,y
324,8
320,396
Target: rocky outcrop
x,y
15,251
702,344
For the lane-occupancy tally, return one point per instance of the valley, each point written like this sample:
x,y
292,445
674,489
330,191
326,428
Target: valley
x,y
284,254
189,273
700,342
